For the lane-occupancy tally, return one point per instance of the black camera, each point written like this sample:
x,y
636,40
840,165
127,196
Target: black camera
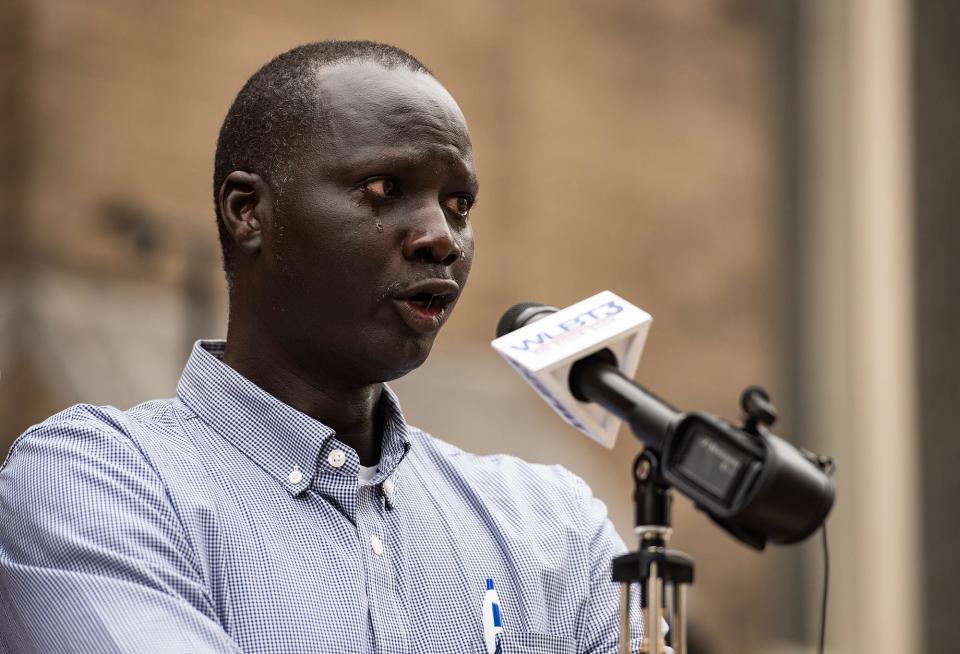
x,y
755,485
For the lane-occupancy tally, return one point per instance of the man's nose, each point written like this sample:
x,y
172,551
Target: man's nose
x,y
430,239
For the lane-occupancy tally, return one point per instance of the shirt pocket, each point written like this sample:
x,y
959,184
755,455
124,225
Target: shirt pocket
x,y
533,643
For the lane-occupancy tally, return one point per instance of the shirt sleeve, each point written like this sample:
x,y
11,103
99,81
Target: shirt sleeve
x,y
598,629
93,557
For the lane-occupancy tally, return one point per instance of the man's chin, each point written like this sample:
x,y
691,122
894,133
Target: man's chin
x,y
386,359
405,359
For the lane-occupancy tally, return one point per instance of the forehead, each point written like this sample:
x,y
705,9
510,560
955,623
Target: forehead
x,y
370,111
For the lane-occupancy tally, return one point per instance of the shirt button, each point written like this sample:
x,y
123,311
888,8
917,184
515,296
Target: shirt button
x,y
376,545
389,487
295,477
336,458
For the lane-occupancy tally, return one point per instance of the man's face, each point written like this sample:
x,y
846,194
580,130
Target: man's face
x,y
372,243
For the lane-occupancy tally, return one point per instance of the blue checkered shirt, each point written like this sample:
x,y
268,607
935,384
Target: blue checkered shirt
x,y
224,520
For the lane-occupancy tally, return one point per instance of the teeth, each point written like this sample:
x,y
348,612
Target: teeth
x,y
427,301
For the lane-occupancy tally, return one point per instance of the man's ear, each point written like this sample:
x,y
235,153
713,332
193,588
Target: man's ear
x,y
245,205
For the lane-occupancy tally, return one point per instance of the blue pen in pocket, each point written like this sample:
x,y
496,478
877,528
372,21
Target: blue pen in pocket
x,y
492,617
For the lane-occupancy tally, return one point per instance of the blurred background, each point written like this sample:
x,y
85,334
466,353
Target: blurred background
x,y
774,181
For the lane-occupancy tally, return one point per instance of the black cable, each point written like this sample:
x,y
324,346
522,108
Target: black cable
x,y
826,582
829,466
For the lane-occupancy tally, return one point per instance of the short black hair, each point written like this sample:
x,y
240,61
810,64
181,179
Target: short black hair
x,y
275,110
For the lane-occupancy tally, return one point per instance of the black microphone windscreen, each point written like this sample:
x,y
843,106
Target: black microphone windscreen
x,y
520,315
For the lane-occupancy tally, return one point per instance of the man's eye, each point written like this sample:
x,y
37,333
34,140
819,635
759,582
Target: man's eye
x,y
459,204
383,188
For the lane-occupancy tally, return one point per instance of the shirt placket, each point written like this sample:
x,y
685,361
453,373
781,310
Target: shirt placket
x,y
364,505
387,617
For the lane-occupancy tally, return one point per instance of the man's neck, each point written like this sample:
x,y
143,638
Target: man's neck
x,y
354,412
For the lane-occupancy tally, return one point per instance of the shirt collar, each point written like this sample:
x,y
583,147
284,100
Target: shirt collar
x,y
274,435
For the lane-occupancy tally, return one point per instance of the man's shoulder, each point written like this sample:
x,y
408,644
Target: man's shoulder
x,y
497,464
504,476
88,426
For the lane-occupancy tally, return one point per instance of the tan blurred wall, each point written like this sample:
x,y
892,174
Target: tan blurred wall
x,y
621,145
859,326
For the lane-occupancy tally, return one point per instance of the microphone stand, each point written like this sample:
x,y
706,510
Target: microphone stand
x,y
654,566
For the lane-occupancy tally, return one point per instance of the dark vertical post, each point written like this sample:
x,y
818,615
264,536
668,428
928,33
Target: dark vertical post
x,y
936,110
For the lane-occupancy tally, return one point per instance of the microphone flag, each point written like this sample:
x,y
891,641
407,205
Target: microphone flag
x,y
544,351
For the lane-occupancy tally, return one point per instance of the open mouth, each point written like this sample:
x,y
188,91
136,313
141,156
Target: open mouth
x,y
428,303
424,305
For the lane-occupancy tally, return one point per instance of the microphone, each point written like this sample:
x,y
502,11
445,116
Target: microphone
x,y
596,341
750,482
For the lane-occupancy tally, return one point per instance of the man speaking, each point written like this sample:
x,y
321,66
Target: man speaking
x,y
280,502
